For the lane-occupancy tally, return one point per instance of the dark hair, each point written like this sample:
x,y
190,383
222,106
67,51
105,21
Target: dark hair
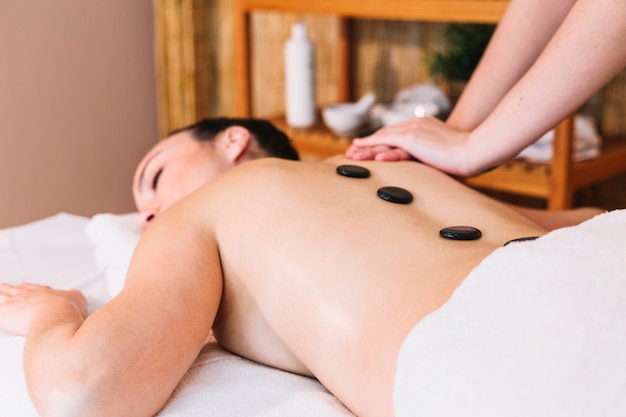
x,y
271,140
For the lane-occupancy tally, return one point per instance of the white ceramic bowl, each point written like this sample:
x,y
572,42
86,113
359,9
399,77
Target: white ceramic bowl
x,y
343,119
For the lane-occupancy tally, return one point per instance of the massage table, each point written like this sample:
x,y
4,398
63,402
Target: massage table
x,y
537,329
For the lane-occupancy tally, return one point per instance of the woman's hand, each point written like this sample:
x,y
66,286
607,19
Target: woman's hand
x,y
21,305
426,139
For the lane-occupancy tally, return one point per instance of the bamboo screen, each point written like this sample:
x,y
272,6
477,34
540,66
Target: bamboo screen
x,y
179,60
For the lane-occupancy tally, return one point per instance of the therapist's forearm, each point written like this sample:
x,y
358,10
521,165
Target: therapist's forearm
x,y
586,52
521,35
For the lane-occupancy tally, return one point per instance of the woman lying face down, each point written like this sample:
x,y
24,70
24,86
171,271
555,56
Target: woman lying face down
x,y
273,258
276,258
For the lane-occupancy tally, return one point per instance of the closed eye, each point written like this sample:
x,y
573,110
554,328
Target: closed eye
x,y
155,180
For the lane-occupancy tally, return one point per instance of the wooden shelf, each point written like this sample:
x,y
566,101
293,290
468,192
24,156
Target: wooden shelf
x,y
611,162
426,10
518,177
315,143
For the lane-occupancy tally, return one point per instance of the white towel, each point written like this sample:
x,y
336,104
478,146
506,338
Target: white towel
x,y
586,145
537,329
15,399
115,237
222,384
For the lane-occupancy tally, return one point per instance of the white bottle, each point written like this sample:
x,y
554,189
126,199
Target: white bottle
x,y
299,78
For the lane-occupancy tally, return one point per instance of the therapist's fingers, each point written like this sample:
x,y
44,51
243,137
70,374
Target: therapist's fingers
x,y
361,154
385,137
394,154
364,153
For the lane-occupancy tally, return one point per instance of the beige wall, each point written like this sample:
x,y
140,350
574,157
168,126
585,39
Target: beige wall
x,y
77,105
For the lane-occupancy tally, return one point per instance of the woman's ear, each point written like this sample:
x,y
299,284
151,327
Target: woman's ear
x,y
234,143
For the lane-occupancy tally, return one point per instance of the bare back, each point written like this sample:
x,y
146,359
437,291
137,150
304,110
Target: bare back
x,y
322,277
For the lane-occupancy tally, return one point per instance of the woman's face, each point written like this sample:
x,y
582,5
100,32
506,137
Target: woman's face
x,y
171,170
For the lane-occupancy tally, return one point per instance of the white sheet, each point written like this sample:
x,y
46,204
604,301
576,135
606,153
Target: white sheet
x,y
114,237
57,252
537,329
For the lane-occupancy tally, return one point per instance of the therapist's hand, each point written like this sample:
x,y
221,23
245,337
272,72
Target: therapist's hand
x,y
362,151
426,139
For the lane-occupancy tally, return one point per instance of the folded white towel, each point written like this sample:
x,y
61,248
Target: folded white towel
x,y
537,329
115,237
586,145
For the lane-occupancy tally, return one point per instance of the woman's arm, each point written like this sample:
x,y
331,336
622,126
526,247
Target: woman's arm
x,y
127,357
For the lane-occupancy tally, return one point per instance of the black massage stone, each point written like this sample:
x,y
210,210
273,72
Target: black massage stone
x,y
521,239
460,233
395,195
353,171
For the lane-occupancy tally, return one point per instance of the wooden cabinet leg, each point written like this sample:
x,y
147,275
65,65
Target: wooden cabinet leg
x,y
344,52
241,41
561,190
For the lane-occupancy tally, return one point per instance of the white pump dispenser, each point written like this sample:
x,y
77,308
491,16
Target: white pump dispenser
x,y
299,78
